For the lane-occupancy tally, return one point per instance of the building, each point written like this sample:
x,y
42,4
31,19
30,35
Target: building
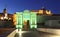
x,y
5,15
44,18
6,19
40,15
53,21
42,11
25,19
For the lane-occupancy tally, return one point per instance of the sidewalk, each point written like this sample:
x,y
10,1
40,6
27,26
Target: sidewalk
x,y
48,30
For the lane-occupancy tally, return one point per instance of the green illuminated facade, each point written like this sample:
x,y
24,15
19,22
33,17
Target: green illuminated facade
x,y
26,15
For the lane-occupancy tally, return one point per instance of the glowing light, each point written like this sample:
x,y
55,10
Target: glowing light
x,y
30,26
14,19
21,21
48,12
9,18
5,16
25,22
19,26
31,21
20,32
2,18
40,12
35,21
16,30
33,26
14,23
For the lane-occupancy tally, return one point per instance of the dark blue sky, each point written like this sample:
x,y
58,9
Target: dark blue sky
x,y
20,5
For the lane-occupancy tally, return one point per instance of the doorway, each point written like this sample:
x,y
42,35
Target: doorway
x,y
26,24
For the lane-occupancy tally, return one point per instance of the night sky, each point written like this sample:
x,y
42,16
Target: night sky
x,y
20,5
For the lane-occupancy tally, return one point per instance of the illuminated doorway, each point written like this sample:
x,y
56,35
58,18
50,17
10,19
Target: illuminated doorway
x,y
26,24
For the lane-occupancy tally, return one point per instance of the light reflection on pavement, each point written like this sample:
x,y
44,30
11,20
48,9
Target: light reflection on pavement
x,y
35,34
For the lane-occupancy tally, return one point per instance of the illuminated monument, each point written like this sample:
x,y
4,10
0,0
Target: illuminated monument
x,y
33,17
23,19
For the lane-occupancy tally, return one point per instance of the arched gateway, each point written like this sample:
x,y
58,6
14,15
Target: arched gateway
x,y
26,19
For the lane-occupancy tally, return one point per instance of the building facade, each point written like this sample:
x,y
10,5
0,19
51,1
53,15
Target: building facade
x,y
5,15
39,13
26,19
53,21
6,19
44,17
